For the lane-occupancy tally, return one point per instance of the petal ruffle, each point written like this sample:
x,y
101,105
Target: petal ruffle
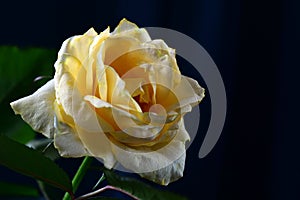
x,y
128,127
151,163
189,93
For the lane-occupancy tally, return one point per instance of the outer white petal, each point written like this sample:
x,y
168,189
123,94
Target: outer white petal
x,y
152,164
38,110
67,142
199,91
168,174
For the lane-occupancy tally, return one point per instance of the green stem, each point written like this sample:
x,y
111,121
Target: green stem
x,y
79,175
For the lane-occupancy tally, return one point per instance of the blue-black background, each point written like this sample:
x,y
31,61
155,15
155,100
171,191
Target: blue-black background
x,y
255,45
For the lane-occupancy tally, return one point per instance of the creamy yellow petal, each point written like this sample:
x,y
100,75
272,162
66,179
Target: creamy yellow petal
x,y
118,53
72,66
129,29
74,105
98,146
81,49
64,86
153,83
164,54
129,128
92,63
112,90
101,76
125,25
162,78
189,93
134,86
88,127
104,111
78,46
148,162
108,52
146,135
62,116
91,32
128,57
117,117
139,83
38,109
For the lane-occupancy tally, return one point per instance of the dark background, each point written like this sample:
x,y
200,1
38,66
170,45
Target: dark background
x,y
255,45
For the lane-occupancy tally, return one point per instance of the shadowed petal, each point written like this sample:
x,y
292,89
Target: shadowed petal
x,y
168,174
67,142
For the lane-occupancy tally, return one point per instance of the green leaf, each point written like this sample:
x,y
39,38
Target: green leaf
x,y
32,163
12,189
21,133
138,188
17,64
18,69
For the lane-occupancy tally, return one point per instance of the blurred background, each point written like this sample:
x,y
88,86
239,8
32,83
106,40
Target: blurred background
x,y
255,45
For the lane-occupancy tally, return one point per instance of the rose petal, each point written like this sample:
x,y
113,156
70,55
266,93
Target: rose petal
x,y
152,63
74,58
98,146
67,142
121,54
105,57
154,83
89,127
38,109
78,46
164,54
199,91
168,174
189,93
129,29
72,66
125,25
91,32
145,129
92,62
112,90
118,118
143,162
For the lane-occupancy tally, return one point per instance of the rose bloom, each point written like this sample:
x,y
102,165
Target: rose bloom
x,y
118,97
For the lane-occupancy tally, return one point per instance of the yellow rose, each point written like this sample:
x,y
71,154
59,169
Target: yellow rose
x,y
119,97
